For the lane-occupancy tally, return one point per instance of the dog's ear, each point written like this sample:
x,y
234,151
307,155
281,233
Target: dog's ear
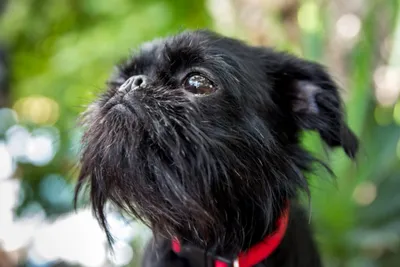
x,y
313,100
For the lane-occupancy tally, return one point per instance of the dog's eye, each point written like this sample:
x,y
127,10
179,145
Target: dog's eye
x,y
198,84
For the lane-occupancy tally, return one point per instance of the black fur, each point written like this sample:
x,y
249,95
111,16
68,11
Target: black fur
x,y
214,170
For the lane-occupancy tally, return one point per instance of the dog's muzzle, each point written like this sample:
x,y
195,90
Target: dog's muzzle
x,y
127,98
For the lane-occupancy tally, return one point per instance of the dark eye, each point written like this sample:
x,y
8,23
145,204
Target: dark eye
x,y
198,84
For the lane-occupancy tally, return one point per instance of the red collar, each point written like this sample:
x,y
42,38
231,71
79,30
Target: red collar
x,y
256,253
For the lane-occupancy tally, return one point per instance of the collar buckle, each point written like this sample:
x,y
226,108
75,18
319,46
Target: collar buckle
x,y
214,260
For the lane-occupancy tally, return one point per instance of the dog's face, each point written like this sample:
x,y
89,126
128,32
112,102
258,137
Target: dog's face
x,y
198,136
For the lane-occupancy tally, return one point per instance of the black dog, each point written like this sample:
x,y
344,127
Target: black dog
x,y
198,137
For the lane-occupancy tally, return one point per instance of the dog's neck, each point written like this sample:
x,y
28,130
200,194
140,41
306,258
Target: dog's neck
x,y
249,257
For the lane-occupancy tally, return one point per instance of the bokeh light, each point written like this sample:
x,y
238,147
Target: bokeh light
x,y
387,85
38,147
7,166
348,26
365,193
42,146
38,109
308,17
17,138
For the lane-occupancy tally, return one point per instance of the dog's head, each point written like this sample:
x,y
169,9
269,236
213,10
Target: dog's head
x,y
198,136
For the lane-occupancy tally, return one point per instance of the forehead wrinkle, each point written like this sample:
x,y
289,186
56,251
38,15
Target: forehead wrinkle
x,y
181,56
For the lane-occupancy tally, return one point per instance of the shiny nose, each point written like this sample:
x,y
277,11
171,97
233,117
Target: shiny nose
x,y
133,83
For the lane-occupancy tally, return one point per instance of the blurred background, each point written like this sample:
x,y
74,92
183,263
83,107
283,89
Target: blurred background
x,y
56,55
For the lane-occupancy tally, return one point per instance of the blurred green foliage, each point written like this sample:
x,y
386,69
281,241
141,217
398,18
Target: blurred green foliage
x,y
62,52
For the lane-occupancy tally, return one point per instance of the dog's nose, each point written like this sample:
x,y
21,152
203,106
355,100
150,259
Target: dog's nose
x,y
134,83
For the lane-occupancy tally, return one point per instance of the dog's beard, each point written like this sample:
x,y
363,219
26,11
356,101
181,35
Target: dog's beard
x,y
187,173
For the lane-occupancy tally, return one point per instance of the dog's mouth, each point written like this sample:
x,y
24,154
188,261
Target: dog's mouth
x,y
118,104
122,108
